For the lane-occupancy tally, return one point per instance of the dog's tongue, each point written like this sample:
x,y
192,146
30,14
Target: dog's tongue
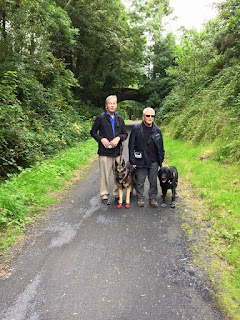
x,y
163,181
120,181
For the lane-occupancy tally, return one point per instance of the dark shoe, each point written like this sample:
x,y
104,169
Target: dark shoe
x,y
153,203
140,203
105,202
173,204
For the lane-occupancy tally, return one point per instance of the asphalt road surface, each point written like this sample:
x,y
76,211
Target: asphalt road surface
x,y
93,262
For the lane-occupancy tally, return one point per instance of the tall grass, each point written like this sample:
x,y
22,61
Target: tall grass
x,y
23,197
217,186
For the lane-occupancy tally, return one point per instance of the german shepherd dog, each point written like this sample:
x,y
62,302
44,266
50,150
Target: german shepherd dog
x,y
168,177
125,179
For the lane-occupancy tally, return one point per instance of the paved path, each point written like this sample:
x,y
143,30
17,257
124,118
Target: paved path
x,y
94,262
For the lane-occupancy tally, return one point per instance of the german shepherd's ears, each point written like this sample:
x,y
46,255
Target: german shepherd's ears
x,y
123,162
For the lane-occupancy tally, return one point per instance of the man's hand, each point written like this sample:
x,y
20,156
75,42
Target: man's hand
x,y
115,142
134,166
105,142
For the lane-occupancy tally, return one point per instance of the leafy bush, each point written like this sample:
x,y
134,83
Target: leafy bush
x,y
36,121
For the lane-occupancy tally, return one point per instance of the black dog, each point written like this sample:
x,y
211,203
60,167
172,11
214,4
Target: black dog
x,y
168,177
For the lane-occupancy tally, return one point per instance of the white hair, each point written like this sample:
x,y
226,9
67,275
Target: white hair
x,y
111,97
146,109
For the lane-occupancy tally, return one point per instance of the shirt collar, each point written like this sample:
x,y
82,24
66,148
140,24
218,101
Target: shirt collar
x,y
109,114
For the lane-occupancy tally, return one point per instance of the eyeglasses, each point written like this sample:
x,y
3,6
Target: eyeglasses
x,y
149,115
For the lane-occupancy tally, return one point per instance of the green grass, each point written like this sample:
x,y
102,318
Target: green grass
x,y
217,187
24,197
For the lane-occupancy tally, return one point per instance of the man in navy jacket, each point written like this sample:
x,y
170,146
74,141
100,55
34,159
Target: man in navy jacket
x,y
146,154
109,131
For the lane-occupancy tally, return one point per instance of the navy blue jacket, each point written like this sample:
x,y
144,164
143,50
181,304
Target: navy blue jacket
x,y
102,128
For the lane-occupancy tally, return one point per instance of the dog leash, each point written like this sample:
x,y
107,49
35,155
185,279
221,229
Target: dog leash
x,y
121,149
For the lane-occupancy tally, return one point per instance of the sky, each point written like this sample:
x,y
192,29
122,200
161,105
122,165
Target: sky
x,y
191,14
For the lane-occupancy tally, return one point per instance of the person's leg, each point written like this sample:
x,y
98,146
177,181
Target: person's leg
x,y
141,174
152,178
105,171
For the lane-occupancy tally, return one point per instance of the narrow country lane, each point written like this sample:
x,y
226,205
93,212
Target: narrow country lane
x,y
95,262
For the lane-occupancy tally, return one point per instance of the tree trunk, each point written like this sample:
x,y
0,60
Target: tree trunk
x,y
3,22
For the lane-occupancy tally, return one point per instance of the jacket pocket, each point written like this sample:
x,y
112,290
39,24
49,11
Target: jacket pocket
x,y
157,136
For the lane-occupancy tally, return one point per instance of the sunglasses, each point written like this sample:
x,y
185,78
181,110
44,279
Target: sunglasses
x,y
149,115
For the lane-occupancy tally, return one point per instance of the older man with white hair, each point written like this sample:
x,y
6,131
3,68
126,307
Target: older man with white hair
x,y
146,154
109,131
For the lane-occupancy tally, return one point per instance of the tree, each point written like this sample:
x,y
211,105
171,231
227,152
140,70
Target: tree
x,y
107,53
36,103
159,83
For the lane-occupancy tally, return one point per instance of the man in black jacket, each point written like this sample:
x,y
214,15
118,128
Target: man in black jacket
x,y
146,154
109,131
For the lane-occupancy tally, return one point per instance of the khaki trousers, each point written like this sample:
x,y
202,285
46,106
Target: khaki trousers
x,y
106,166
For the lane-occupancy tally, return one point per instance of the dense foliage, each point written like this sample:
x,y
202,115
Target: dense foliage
x,y
38,115
203,105
108,51
58,61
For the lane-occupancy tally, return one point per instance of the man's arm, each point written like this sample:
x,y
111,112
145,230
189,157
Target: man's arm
x,y
162,151
95,129
131,146
95,135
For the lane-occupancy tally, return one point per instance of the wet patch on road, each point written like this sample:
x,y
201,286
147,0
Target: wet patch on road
x,y
24,306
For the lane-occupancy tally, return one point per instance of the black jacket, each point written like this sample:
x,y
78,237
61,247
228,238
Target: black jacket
x,y
102,128
137,143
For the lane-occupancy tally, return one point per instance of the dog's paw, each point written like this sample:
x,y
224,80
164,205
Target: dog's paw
x,y
163,205
173,204
127,206
119,206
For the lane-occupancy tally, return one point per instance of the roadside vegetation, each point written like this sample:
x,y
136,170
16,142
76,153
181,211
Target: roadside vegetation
x,y
24,197
210,191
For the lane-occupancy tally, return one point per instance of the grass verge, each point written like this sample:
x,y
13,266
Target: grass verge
x,y
24,197
213,194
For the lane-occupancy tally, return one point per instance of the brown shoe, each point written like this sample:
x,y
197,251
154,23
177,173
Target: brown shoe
x,y
140,203
153,203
